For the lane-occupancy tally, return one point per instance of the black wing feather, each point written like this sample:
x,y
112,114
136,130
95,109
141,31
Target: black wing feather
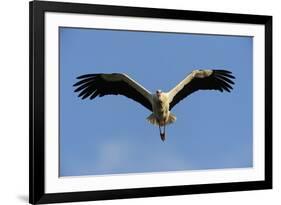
x,y
93,85
219,80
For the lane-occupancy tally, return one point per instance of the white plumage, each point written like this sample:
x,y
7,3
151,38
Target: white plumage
x,y
159,103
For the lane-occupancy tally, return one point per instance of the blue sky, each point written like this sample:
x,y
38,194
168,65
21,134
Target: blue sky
x,y
110,135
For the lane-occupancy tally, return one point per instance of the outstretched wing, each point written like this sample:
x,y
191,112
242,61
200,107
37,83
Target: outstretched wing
x,y
201,80
93,85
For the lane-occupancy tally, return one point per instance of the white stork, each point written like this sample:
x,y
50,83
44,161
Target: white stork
x,y
159,103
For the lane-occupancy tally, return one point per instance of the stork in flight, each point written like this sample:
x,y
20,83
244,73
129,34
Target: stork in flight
x,y
159,103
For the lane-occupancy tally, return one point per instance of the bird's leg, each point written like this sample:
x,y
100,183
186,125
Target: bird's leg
x,y
160,131
162,135
164,131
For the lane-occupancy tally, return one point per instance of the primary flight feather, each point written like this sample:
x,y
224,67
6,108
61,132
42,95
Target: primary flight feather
x,y
159,103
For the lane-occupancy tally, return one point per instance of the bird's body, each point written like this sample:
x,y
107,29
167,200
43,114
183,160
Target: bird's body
x,y
161,115
160,106
160,103
161,110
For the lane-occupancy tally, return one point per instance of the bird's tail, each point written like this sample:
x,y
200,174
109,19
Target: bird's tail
x,y
153,120
172,118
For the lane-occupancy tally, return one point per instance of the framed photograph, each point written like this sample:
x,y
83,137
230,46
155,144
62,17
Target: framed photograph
x,y
130,102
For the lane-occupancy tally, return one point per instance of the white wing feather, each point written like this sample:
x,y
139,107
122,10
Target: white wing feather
x,y
194,74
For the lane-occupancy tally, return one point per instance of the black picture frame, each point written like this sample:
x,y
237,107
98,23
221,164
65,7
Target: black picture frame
x,y
37,194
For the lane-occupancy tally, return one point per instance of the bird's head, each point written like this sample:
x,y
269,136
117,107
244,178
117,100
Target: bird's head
x,y
158,93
